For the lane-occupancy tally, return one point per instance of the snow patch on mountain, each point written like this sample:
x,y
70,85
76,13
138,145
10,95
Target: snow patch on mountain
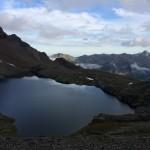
x,y
11,65
130,83
52,58
90,79
114,65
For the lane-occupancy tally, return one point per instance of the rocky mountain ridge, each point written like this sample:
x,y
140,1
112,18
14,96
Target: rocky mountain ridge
x,y
17,52
134,65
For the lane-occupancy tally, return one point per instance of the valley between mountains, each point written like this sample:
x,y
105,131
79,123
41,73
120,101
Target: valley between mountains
x,y
19,59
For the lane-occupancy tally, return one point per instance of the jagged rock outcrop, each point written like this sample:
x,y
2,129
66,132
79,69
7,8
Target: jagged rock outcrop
x,y
65,63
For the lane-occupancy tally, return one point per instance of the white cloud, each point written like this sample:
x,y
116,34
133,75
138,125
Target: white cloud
x,y
141,41
140,6
146,26
61,27
51,25
72,4
130,5
58,27
131,14
32,18
139,22
124,13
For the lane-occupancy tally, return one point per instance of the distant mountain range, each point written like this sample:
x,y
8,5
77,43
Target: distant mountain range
x,y
135,65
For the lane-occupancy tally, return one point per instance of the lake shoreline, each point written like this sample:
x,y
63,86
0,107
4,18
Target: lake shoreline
x,y
139,109
91,134
64,108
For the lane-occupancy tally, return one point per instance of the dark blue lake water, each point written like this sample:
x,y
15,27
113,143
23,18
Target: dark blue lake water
x,y
43,107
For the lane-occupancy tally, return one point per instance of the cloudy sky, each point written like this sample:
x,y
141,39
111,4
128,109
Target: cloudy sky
x,y
79,26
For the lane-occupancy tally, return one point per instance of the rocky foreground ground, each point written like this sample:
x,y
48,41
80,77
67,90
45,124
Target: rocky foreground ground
x,y
105,132
78,143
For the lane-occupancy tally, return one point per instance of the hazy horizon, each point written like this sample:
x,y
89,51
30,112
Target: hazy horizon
x,y
79,27
97,53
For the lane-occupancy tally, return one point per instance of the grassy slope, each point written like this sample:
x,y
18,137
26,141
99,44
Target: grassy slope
x,y
7,126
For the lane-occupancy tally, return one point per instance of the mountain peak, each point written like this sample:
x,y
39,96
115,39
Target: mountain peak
x,y
2,33
61,55
15,51
146,53
1,30
14,37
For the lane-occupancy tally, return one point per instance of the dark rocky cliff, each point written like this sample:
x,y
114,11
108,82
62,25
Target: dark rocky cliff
x,y
15,51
